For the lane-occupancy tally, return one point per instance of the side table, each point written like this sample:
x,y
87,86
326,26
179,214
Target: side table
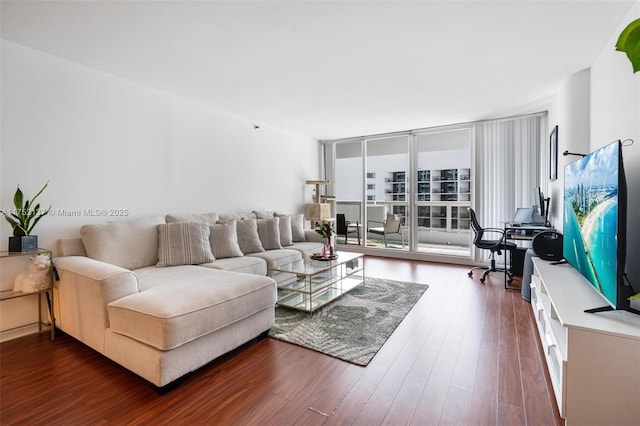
x,y
48,292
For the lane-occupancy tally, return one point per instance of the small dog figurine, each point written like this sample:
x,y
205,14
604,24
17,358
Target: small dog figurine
x,y
36,278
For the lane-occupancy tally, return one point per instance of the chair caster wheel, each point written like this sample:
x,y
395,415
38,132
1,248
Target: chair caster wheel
x,y
482,280
470,274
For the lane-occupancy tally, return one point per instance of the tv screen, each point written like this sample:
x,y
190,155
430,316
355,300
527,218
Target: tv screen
x,y
594,221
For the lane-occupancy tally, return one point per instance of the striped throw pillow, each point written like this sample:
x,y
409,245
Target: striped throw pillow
x,y
183,243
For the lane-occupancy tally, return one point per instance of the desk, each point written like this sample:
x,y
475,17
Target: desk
x,y
522,235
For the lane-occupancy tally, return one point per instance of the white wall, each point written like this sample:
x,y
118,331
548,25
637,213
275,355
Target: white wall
x,y
107,143
596,107
572,114
615,114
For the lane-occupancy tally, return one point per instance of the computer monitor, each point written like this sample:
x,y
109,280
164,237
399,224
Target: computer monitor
x,y
544,207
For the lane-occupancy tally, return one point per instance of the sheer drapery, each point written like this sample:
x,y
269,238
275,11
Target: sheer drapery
x,y
508,155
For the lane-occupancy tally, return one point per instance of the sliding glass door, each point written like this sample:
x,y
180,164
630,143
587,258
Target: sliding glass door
x,y
407,192
442,195
387,192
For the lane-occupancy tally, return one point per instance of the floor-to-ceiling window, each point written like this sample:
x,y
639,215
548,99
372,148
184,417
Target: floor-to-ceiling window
x,y
406,192
428,178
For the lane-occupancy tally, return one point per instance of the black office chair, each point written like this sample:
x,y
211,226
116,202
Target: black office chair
x,y
494,245
344,227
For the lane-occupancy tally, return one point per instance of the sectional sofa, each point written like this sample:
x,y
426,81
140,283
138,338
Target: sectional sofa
x,y
163,296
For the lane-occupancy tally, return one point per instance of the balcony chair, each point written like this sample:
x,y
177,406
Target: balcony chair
x,y
494,245
346,228
392,225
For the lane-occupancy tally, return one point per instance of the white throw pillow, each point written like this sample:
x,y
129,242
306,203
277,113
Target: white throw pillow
x,y
199,218
297,228
248,238
224,240
265,214
284,226
183,243
130,243
269,232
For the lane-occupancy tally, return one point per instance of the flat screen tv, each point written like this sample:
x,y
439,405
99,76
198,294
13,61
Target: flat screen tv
x,y
594,223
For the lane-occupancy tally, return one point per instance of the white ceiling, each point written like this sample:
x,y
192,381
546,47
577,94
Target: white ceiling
x,y
331,69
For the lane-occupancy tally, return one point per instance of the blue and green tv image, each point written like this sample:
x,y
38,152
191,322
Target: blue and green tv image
x,y
591,219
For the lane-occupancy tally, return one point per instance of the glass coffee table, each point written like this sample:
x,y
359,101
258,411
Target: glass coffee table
x,y
308,285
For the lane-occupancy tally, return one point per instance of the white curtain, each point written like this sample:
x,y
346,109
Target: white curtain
x,y
508,158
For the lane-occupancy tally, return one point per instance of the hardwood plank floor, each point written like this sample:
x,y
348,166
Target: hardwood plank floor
x,y
467,354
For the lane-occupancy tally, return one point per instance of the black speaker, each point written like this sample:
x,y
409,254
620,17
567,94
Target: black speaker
x,y
547,245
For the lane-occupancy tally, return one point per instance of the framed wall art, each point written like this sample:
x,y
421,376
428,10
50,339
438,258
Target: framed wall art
x,y
553,154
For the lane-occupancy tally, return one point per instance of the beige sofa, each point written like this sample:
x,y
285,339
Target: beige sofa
x,y
163,296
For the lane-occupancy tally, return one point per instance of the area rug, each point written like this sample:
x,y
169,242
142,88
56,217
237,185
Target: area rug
x,y
354,327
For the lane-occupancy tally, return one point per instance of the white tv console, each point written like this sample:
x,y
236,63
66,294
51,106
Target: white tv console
x,y
593,359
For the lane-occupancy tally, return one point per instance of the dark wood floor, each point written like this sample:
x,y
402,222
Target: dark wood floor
x,y
467,354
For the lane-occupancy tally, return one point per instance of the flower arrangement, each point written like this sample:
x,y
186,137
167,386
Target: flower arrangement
x,y
325,228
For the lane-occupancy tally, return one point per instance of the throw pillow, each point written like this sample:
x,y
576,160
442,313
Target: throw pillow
x,y
130,243
228,217
248,238
200,218
265,214
224,240
284,226
183,243
269,232
297,227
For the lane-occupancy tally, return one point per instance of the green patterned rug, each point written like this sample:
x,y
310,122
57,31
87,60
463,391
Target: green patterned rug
x,y
354,327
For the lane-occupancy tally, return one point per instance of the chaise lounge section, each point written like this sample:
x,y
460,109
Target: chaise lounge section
x,y
163,296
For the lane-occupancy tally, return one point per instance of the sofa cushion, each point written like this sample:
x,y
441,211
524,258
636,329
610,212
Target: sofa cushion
x,y
248,238
224,240
245,264
183,243
201,218
307,248
275,258
167,315
269,232
130,243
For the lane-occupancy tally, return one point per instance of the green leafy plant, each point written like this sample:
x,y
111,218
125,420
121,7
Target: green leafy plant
x,y
629,42
25,216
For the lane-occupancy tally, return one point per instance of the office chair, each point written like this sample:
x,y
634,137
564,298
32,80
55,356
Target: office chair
x,y
392,225
494,245
344,227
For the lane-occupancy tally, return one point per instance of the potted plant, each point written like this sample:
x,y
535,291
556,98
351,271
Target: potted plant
x,y
629,42
22,220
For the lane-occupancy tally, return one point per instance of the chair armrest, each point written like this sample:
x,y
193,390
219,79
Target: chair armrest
x,y
85,287
495,231
500,241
